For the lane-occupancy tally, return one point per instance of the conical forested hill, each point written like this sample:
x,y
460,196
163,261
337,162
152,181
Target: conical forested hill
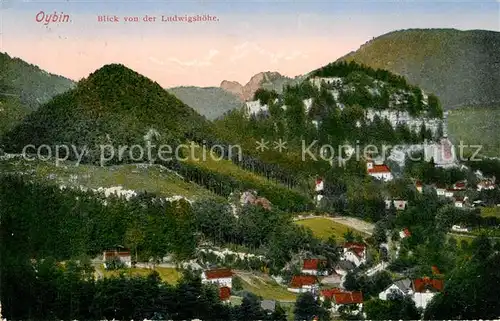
x,y
114,105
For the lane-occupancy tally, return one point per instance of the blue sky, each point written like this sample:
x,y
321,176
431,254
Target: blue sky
x,y
268,7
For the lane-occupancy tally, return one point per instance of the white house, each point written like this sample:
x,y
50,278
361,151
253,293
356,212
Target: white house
x,y
449,193
443,153
440,191
381,172
404,233
221,277
458,228
339,298
402,287
355,253
304,283
398,204
460,201
424,290
485,185
123,255
419,186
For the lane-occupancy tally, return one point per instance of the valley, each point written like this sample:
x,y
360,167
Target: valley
x,y
260,233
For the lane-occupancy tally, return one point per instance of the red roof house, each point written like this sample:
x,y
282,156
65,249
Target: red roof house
x,y
218,274
459,186
299,281
224,293
425,284
435,270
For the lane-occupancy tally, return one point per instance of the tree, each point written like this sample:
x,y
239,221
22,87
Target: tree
x,y
307,307
351,282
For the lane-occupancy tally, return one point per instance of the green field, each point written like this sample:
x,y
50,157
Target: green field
x,y
476,126
267,288
154,179
168,275
324,228
490,211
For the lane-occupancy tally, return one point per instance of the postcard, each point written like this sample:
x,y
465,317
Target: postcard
x,y
249,160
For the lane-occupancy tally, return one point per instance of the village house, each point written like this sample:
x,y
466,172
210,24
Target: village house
x,y
381,172
319,189
355,253
250,197
440,190
224,293
401,287
424,290
458,228
485,184
398,204
460,186
123,255
420,290
334,278
340,298
449,193
461,201
314,267
419,186
304,283
404,233
221,277
343,267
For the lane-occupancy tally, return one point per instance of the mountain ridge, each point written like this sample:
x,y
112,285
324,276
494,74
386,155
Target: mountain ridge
x,y
462,67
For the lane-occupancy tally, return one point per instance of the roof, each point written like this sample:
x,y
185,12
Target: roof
x,y
218,274
345,265
419,183
424,284
312,264
403,284
117,253
264,202
328,293
357,248
435,270
407,232
269,305
347,297
299,281
379,169
460,185
224,293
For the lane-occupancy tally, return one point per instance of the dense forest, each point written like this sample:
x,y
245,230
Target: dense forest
x,y
43,221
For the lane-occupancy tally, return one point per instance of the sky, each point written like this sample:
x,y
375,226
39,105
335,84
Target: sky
x,y
246,37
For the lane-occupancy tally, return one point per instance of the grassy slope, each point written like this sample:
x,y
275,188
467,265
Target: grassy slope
x,y
267,289
490,211
325,228
476,126
153,179
461,67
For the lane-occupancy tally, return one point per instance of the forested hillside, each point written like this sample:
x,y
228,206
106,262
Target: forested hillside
x,y
31,84
114,105
461,67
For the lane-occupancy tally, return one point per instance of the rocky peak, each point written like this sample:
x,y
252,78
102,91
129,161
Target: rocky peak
x,y
246,92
